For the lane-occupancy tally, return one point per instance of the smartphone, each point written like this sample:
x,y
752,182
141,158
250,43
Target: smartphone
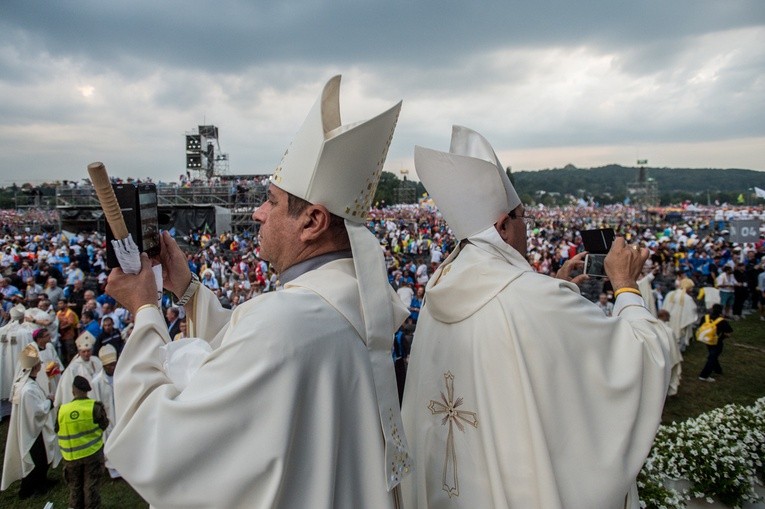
x,y
597,243
138,203
594,265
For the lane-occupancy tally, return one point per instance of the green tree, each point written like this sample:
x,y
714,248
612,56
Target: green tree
x,y
527,199
420,189
386,187
6,199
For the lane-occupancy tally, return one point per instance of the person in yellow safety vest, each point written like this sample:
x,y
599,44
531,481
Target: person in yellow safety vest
x,y
80,428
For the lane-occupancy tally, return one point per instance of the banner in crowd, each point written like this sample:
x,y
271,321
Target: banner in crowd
x,y
744,231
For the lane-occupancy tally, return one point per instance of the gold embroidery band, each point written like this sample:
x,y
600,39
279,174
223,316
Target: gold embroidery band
x,y
448,407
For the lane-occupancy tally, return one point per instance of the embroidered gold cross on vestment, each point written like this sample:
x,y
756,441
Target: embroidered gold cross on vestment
x,y
453,417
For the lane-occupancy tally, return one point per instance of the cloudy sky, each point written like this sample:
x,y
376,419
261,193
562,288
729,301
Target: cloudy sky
x,y
680,83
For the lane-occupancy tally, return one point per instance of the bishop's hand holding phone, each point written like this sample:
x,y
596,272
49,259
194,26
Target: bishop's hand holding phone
x,y
132,222
610,256
597,244
131,216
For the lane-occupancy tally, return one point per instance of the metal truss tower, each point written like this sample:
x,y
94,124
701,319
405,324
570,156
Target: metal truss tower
x,y
203,153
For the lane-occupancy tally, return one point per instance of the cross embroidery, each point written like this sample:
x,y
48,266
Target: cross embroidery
x,y
448,406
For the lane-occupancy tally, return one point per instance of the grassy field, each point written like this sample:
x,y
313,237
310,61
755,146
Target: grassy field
x,y
743,362
114,493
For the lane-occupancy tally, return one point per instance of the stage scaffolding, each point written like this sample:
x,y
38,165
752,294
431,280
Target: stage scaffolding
x,y
240,203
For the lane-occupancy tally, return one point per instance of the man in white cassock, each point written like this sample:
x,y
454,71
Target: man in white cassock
x,y
84,364
103,391
103,384
682,312
31,445
296,405
675,356
10,348
520,392
646,290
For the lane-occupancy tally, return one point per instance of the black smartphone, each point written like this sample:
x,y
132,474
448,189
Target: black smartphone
x,y
138,203
597,243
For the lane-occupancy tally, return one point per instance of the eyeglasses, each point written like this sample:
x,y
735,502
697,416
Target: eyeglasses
x,y
527,218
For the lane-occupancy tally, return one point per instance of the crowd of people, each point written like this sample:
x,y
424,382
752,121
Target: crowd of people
x,y
415,240
13,221
70,270
65,274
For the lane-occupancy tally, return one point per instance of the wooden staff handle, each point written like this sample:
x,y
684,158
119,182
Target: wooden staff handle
x,y
109,204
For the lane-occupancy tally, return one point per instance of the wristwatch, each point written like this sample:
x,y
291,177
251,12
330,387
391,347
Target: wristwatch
x,y
194,285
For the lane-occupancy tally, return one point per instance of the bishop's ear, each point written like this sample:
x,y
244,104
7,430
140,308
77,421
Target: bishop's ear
x,y
316,220
503,227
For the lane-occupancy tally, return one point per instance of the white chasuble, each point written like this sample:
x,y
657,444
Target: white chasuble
x,y
520,392
32,415
283,412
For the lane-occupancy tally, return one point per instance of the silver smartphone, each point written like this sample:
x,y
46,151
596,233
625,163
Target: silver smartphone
x,y
594,265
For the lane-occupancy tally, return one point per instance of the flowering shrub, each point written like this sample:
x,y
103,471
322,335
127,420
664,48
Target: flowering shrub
x,y
721,453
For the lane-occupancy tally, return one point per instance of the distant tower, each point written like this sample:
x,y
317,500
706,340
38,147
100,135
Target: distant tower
x,y
644,191
406,192
201,153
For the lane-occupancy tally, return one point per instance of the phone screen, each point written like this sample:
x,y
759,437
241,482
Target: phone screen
x,y
594,265
147,203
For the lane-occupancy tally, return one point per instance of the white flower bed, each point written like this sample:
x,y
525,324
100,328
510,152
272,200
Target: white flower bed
x,y
721,453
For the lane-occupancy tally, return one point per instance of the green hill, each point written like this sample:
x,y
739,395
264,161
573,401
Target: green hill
x,y
609,183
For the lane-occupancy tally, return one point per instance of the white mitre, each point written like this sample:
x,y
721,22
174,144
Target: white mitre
x,y
336,165
107,354
468,183
28,359
85,341
339,166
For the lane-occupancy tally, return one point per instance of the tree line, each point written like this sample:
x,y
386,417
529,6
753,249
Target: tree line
x,y
610,184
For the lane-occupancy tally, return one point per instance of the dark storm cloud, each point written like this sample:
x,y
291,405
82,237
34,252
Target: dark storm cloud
x,y
231,35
